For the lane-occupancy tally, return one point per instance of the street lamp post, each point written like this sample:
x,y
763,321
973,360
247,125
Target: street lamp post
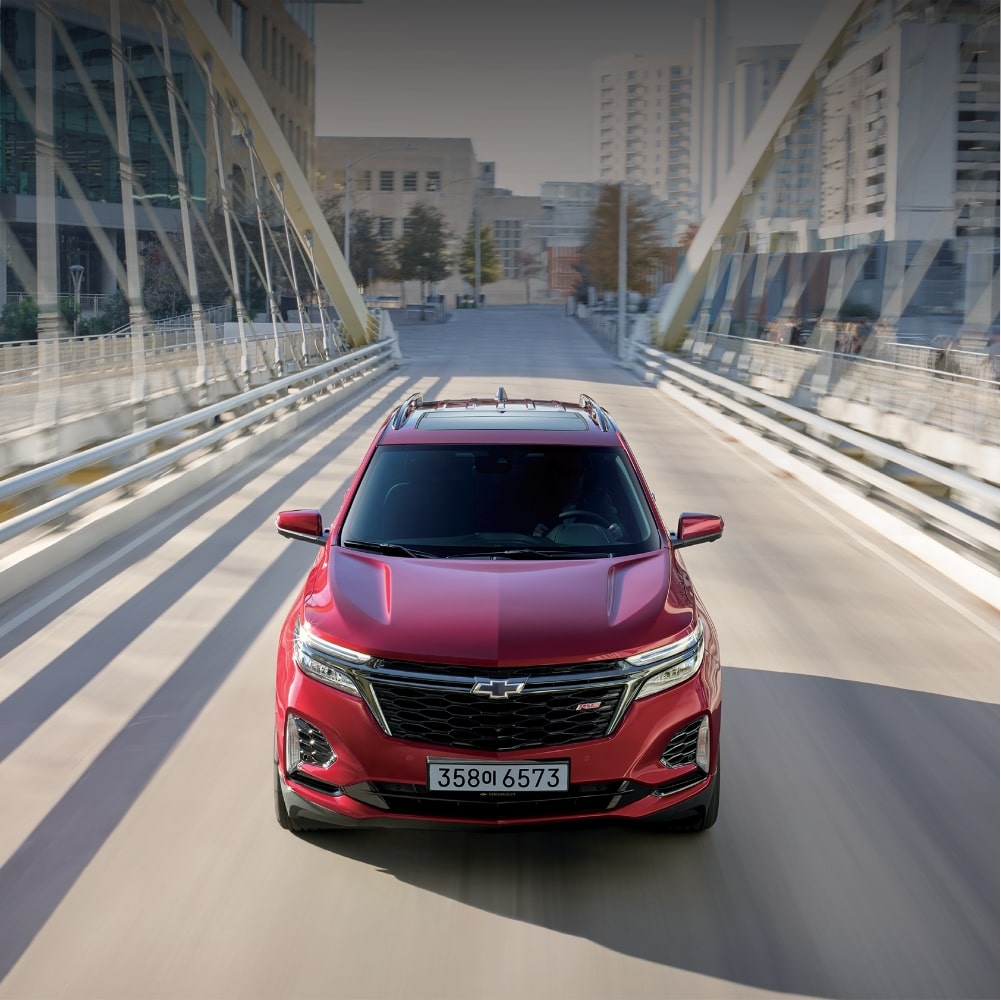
x,y
476,258
348,164
620,331
76,270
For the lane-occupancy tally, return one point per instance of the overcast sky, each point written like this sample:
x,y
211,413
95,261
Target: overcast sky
x,y
513,76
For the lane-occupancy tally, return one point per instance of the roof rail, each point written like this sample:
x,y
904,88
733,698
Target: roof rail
x,y
405,409
595,410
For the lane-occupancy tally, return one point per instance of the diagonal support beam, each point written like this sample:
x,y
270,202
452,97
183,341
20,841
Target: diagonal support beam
x,y
206,35
821,47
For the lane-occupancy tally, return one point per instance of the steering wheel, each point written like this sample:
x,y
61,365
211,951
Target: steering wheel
x,y
585,515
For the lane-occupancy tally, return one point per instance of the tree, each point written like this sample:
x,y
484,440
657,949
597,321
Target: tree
x,y
646,255
529,265
490,266
422,251
165,289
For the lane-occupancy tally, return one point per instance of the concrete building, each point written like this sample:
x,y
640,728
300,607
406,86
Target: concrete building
x,y
675,124
391,174
910,143
910,156
643,120
567,209
882,198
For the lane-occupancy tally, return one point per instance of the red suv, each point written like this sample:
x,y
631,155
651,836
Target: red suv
x,y
497,630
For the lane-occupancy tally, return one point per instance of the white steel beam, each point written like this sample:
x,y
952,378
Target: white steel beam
x,y
819,49
207,36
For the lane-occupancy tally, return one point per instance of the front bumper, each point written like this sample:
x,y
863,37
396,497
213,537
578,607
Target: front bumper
x,y
378,780
681,807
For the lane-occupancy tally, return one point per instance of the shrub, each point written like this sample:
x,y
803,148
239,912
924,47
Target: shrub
x,y
19,320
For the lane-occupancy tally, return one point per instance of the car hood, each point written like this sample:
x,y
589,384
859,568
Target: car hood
x,y
498,613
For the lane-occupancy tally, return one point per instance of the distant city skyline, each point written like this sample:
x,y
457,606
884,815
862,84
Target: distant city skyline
x,y
516,79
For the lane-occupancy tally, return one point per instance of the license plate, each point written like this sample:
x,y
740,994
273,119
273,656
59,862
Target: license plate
x,y
529,776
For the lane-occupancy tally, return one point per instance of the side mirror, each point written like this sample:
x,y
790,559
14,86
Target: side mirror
x,y
304,525
696,528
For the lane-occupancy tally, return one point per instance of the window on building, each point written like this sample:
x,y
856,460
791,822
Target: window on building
x,y
282,78
410,180
386,180
385,228
239,27
274,53
433,181
364,182
264,43
408,225
507,240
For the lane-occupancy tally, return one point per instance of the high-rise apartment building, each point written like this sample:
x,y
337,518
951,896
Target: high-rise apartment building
x,y
643,127
676,126
910,147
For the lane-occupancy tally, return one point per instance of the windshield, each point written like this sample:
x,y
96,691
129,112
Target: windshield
x,y
500,501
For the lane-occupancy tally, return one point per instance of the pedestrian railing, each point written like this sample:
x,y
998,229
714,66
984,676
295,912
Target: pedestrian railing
x,y
75,376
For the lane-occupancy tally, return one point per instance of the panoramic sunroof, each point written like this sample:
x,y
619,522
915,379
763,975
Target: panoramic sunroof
x,y
496,419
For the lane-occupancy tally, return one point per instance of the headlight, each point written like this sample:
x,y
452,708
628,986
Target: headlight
x,y
671,664
324,661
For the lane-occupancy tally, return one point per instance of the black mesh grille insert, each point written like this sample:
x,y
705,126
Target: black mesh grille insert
x,y
450,715
680,750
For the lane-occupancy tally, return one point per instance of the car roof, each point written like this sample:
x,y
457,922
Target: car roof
x,y
583,422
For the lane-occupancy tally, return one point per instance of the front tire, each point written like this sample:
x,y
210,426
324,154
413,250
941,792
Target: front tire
x,y
711,814
698,821
285,821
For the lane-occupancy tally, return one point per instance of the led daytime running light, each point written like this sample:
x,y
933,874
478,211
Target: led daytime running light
x,y
672,664
325,661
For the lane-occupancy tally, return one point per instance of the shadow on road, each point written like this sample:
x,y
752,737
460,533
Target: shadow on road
x,y
866,867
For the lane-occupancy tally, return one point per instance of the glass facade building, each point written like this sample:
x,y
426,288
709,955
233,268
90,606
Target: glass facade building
x,y
84,135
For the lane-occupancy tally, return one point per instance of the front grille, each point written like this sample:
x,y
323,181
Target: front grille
x,y
558,705
680,750
415,800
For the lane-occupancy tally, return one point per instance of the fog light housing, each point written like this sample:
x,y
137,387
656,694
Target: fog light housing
x,y
689,746
305,744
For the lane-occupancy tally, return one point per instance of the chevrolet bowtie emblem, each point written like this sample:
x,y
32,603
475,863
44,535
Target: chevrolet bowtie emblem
x,y
498,689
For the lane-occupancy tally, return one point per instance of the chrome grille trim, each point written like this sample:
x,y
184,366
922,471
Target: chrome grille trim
x,y
611,679
618,677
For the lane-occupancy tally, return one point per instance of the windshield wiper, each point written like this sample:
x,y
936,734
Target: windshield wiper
x,y
390,549
530,554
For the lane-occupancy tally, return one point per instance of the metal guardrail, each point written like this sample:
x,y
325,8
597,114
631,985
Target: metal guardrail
x,y
170,360
264,403
977,530
898,379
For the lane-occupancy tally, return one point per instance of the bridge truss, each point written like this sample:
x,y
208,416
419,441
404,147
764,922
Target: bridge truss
x,y
214,210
